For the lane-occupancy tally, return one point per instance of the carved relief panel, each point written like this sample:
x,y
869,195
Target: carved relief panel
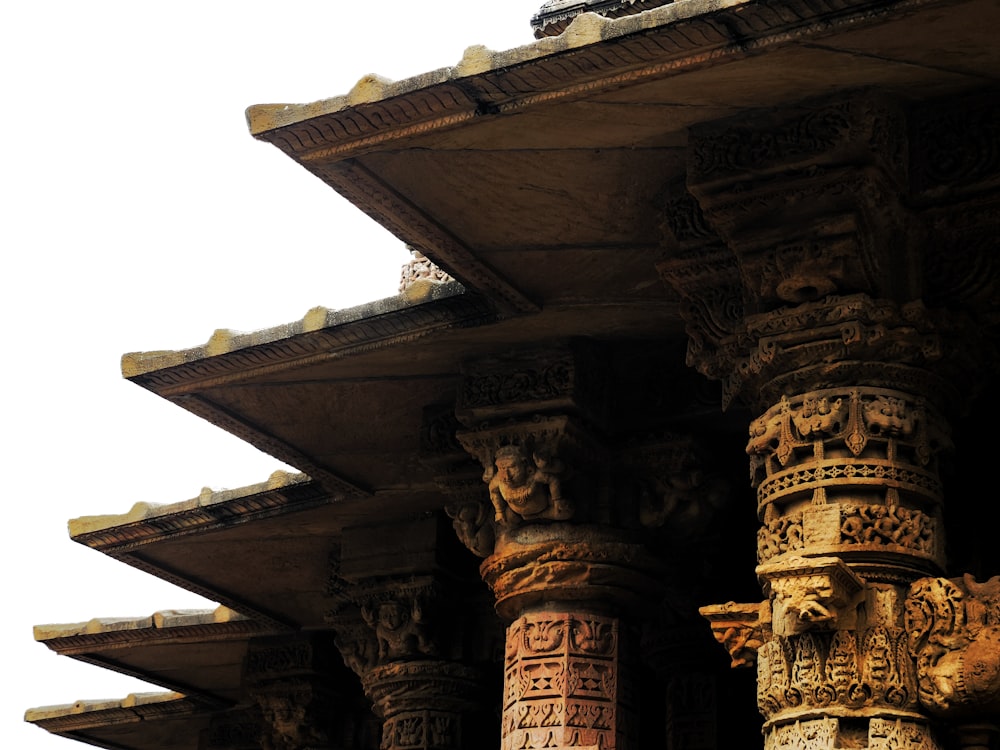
x,y
567,683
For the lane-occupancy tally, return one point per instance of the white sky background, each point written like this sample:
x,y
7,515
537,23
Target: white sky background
x,y
137,213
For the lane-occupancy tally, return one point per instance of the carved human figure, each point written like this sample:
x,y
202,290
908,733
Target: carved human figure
x,y
473,526
401,634
286,723
526,489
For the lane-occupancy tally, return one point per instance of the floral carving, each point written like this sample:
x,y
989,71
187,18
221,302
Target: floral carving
x,y
850,669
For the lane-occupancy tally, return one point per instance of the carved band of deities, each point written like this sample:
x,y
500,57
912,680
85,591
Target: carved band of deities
x,y
838,672
844,528
565,683
828,734
874,437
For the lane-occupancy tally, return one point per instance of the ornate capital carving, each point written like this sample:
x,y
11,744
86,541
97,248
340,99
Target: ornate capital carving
x,y
534,468
565,377
383,620
842,671
740,628
953,628
293,683
811,593
460,478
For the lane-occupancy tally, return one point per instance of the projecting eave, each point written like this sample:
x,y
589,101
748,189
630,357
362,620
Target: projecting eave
x,y
477,60
239,547
140,721
287,341
538,176
197,652
210,507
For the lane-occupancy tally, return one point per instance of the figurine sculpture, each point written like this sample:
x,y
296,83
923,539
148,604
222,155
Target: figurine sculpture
x,y
526,489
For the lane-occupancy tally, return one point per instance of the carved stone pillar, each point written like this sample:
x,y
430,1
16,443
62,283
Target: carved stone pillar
x,y
568,522
297,684
801,266
403,636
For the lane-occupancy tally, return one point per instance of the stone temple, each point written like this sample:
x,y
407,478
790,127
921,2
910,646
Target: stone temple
x,y
674,437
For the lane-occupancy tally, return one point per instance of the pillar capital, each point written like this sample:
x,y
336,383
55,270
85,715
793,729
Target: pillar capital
x,y
295,682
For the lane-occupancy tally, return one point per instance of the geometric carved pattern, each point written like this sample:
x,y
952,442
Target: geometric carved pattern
x,y
564,685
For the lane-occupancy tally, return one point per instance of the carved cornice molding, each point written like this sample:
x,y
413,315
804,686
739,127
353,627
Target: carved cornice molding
x,y
635,48
555,16
121,539
368,328
209,632
135,708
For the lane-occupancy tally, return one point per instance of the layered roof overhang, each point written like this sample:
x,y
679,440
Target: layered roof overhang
x,y
537,178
